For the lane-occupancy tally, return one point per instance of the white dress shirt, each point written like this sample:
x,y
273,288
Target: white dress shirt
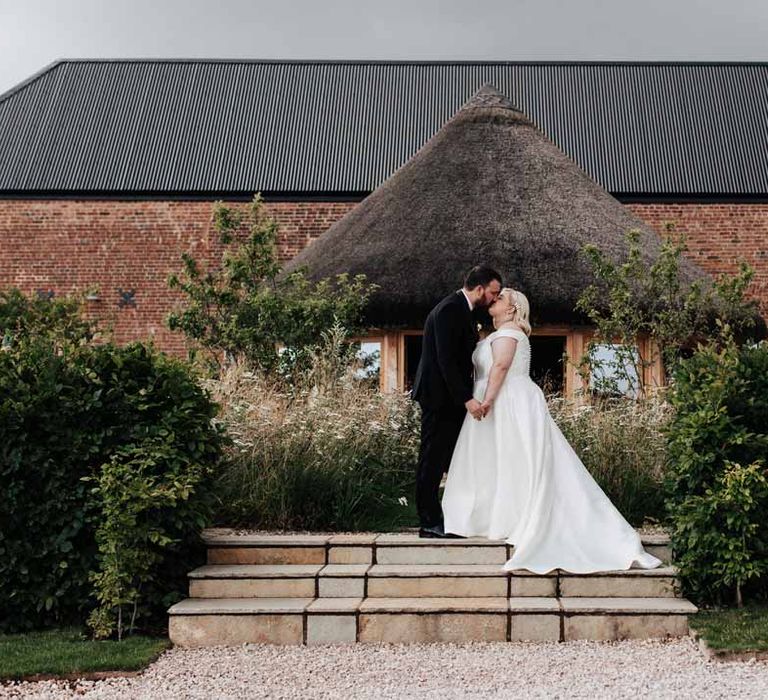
x,y
469,301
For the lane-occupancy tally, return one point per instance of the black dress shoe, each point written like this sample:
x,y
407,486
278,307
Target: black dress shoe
x,y
434,531
438,532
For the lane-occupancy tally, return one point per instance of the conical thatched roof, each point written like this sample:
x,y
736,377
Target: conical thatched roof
x,y
488,188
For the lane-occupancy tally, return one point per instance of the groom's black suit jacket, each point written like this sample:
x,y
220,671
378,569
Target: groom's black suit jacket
x,y
444,376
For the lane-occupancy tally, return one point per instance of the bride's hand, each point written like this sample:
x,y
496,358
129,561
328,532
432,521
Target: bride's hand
x,y
486,407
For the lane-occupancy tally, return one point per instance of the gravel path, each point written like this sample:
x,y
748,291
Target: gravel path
x,y
520,670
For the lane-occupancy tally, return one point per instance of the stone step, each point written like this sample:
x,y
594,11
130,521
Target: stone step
x,y
232,621
229,547
421,581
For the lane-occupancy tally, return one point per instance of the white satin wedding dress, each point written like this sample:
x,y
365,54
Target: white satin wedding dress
x,y
513,476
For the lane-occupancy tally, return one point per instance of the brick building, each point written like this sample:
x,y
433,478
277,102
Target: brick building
x,y
108,169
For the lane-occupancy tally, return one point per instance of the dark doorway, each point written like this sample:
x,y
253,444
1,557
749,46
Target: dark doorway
x,y
547,369
412,357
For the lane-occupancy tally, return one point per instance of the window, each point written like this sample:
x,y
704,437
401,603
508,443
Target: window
x,y
614,370
369,358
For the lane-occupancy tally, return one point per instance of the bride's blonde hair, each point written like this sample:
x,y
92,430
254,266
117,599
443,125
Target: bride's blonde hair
x,y
522,308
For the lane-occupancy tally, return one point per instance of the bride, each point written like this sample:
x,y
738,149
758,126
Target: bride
x,y
513,475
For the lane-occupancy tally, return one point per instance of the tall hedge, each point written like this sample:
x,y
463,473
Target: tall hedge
x,y
66,413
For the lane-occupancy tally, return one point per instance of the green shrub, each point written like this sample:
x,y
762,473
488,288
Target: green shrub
x,y
622,444
245,307
720,534
152,488
329,453
59,319
638,298
50,436
71,411
718,449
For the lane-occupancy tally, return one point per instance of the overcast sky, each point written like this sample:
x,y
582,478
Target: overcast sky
x,y
35,32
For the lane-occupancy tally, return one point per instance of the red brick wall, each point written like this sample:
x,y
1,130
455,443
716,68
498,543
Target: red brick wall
x,y
68,246
719,236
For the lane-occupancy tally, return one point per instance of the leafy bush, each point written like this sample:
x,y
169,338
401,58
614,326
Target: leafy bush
x,y
245,307
636,299
59,319
48,441
622,444
718,449
329,453
72,412
152,486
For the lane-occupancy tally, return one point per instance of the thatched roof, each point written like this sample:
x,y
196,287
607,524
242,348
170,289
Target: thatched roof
x,y
488,188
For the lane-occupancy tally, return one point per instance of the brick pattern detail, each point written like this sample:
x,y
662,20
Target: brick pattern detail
x,y
719,236
69,246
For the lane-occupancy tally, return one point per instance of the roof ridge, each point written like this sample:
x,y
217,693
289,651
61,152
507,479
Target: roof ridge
x,y
398,62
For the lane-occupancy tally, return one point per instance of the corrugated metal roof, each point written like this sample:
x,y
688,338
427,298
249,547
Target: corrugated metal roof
x,y
184,126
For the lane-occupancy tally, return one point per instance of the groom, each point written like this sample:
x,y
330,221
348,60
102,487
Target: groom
x,y
443,388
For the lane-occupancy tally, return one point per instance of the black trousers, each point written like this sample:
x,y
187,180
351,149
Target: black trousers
x,y
439,431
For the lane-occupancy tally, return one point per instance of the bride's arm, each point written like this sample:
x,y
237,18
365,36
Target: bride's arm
x,y
503,350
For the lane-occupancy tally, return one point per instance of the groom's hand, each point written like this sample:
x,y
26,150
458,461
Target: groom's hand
x,y
475,409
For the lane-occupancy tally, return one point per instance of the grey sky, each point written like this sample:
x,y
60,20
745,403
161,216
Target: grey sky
x,y
35,32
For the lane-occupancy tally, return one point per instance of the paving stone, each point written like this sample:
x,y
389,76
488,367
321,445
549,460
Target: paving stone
x,y
534,628
256,571
266,555
432,627
435,587
239,606
231,621
534,619
344,570
526,604
654,539
427,605
413,540
341,587
350,555
609,626
252,588
220,537
441,554
231,630
360,540
435,580
443,570
331,629
335,605
618,586
668,606
544,585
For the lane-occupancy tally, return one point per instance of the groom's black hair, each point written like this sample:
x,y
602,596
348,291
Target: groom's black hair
x,y
482,275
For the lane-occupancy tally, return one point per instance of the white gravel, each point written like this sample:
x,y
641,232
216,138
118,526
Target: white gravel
x,y
654,669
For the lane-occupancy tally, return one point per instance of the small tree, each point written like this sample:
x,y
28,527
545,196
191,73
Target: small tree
x,y
247,307
633,299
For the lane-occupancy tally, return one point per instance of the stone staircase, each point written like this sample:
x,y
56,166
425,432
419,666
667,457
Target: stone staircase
x,y
314,589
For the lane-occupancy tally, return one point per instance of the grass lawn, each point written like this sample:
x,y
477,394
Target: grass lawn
x,y
68,651
734,629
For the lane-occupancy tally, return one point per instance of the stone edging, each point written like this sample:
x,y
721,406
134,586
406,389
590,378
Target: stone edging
x,y
726,655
